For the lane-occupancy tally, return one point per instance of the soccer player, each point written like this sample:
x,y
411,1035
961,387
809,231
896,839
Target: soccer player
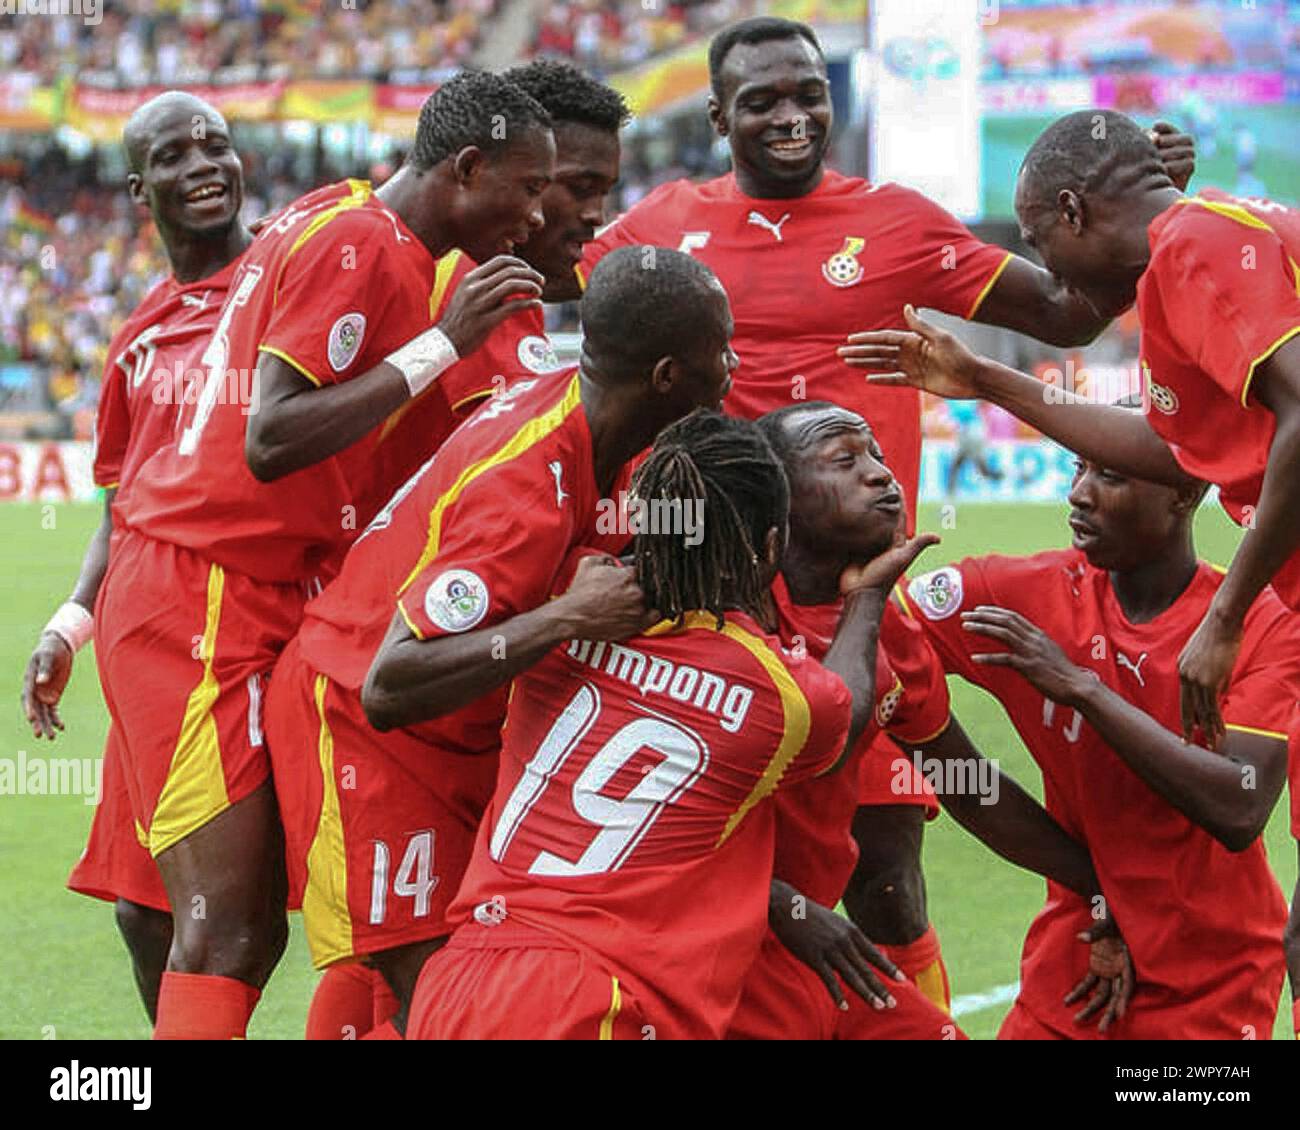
x,y
329,316
845,508
807,255
1215,281
385,713
1081,648
619,884
191,181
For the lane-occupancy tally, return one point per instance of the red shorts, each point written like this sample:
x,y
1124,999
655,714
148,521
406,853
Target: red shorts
x,y
375,856
513,982
1020,1025
785,1000
886,775
114,863
184,648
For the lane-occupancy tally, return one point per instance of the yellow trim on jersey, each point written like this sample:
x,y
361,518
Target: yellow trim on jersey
x,y
325,899
930,981
1250,373
582,278
922,741
195,790
794,706
141,835
988,286
901,593
1253,730
361,192
530,434
1229,211
615,1005
442,276
471,397
283,356
419,635
108,486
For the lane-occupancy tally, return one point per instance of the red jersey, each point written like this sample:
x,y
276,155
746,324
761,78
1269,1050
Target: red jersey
x,y
1219,298
628,817
477,536
146,372
336,284
802,274
815,848
1203,924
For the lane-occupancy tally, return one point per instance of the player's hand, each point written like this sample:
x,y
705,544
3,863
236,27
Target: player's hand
x,y
1109,979
486,297
882,572
46,676
1178,152
605,601
1204,666
829,944
1030,651
922,356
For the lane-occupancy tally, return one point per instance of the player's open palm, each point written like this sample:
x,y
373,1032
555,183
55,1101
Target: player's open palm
x,y
44,681
834,949
922,356
1109,982
1030,650
486,297
605,600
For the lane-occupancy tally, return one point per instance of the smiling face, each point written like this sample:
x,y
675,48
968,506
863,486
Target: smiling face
x,y
1121,523
186,170
774,108
586,169
501,194
844,500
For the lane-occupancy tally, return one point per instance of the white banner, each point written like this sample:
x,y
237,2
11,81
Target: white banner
x,y
926,132
46,472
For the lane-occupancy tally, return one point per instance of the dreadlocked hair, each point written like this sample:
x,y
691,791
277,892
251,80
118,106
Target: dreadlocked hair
x,y
720,486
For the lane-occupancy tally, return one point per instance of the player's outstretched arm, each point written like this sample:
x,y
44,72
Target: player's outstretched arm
x,y
50,665
830,945
413,680
1274,537
930,359
297,424
852,654
1229,793
1013,823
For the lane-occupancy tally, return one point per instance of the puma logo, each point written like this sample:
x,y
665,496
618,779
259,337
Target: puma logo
x,y
763,222
1124,661
557,469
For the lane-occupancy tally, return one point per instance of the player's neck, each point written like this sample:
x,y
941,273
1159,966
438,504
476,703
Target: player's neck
x,y
1147,591
811,579
1154,203
193,259
419,206
620,429
754,185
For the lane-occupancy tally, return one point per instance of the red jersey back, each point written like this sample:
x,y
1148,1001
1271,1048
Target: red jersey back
x,y
804,273
815,848
628,817
332,287
147,371
1217,300
1202,923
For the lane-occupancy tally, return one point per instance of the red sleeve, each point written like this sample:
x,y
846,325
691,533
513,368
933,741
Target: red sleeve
x,y
340,292
830,708
112,423
967,267
502,541
1226,292
922,710
1264,689
935,600
617,234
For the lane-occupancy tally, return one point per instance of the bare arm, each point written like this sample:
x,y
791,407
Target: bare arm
x,y
1014,824
1027,298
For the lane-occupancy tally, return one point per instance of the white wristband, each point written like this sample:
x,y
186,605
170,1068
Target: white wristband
x,y
72,624
422,358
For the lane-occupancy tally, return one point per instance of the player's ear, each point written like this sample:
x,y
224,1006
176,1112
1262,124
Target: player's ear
x,y
774,548
717,118
467,164
664,375
1070,208
1188,497
135,187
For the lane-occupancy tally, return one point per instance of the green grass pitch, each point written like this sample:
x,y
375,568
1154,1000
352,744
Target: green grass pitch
x,y
65,972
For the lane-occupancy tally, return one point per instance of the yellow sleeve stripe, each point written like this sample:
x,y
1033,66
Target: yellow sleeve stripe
x,y
530,434
582,275
1229,211
108,486
1253,730
471,398
615,1007
280,353
1255,364
794,706
415,631
359,194
442,276
922,741
988,286
901,594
